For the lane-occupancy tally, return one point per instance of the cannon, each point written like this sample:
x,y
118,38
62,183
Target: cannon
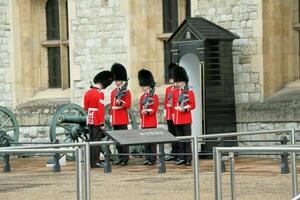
x,y
9,128
68,124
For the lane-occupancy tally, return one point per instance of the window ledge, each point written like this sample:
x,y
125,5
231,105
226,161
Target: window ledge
x,y
56,93
297,26
164,36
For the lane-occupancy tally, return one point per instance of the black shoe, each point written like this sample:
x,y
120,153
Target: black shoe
x,y
151,163
146,162
179,162
117,162
98,165
124,163
169,158
188,163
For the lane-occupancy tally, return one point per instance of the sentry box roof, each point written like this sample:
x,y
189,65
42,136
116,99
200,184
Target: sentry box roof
x,y
199,28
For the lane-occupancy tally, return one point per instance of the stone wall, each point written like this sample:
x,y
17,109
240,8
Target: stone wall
x,y
99,31
240,17
5,83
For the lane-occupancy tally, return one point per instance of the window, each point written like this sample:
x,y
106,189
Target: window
x,y
57,44
172,10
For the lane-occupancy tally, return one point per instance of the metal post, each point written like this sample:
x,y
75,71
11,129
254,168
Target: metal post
x,y
196,168
56,157
223,164
56,164
232,175
284,166
78,153
161,155
87,172
6,165
107,165
218,174
294,166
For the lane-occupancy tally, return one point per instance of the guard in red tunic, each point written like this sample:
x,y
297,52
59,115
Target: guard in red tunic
x,y
183,104
94,106
148,109
168,110
120,102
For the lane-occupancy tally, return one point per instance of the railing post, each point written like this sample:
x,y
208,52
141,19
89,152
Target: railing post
x,y
79,189
56,157
161,156
232,175
87,172
196,168
6,164
284,166
218,174
223,162
294,166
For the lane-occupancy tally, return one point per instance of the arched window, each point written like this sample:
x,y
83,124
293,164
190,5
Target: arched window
x,y
57,43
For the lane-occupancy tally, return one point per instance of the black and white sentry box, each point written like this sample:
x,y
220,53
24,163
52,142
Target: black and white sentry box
x,y
142,136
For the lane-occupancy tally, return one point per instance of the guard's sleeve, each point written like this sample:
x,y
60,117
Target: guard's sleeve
x,y
141,104
192,102
111,101
155,105
127,100
86,102
166,99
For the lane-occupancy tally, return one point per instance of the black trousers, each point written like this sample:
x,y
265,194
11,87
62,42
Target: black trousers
x,y
122,148
172,130
184,147
151,148
96,134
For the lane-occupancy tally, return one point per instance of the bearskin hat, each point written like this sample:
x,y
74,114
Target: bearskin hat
x,y
146,78
180,74
119,72
170,68
105,78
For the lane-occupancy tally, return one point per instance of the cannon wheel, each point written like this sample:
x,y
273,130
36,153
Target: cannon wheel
x,y
9,127
63,131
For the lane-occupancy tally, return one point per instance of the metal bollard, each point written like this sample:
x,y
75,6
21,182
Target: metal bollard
x,y
56,158
223,164
107,165
284,166
6,164
161,155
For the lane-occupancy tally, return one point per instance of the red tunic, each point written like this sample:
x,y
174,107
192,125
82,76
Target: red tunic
x,y
94,105
120,116
183,117
168,109
149,120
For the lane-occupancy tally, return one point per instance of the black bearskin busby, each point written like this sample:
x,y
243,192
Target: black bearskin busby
x,y
119,72
170,68
180,75
146,78
105,78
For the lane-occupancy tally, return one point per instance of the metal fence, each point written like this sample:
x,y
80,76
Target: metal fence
x,y
83,158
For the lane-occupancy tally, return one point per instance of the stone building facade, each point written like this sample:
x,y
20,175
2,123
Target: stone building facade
x,y
99,33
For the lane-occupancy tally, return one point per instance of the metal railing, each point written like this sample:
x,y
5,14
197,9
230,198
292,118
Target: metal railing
x,y
83,184
231,150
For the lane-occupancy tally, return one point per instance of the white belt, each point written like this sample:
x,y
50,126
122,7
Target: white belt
x,y
92,109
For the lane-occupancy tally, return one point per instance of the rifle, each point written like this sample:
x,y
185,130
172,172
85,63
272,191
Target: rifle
x,y
170,96
148,100
184,97
122,92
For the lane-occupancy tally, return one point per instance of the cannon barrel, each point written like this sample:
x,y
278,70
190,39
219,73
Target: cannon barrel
x,y
72,119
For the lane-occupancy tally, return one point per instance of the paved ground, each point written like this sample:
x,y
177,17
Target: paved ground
x,y
31,180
